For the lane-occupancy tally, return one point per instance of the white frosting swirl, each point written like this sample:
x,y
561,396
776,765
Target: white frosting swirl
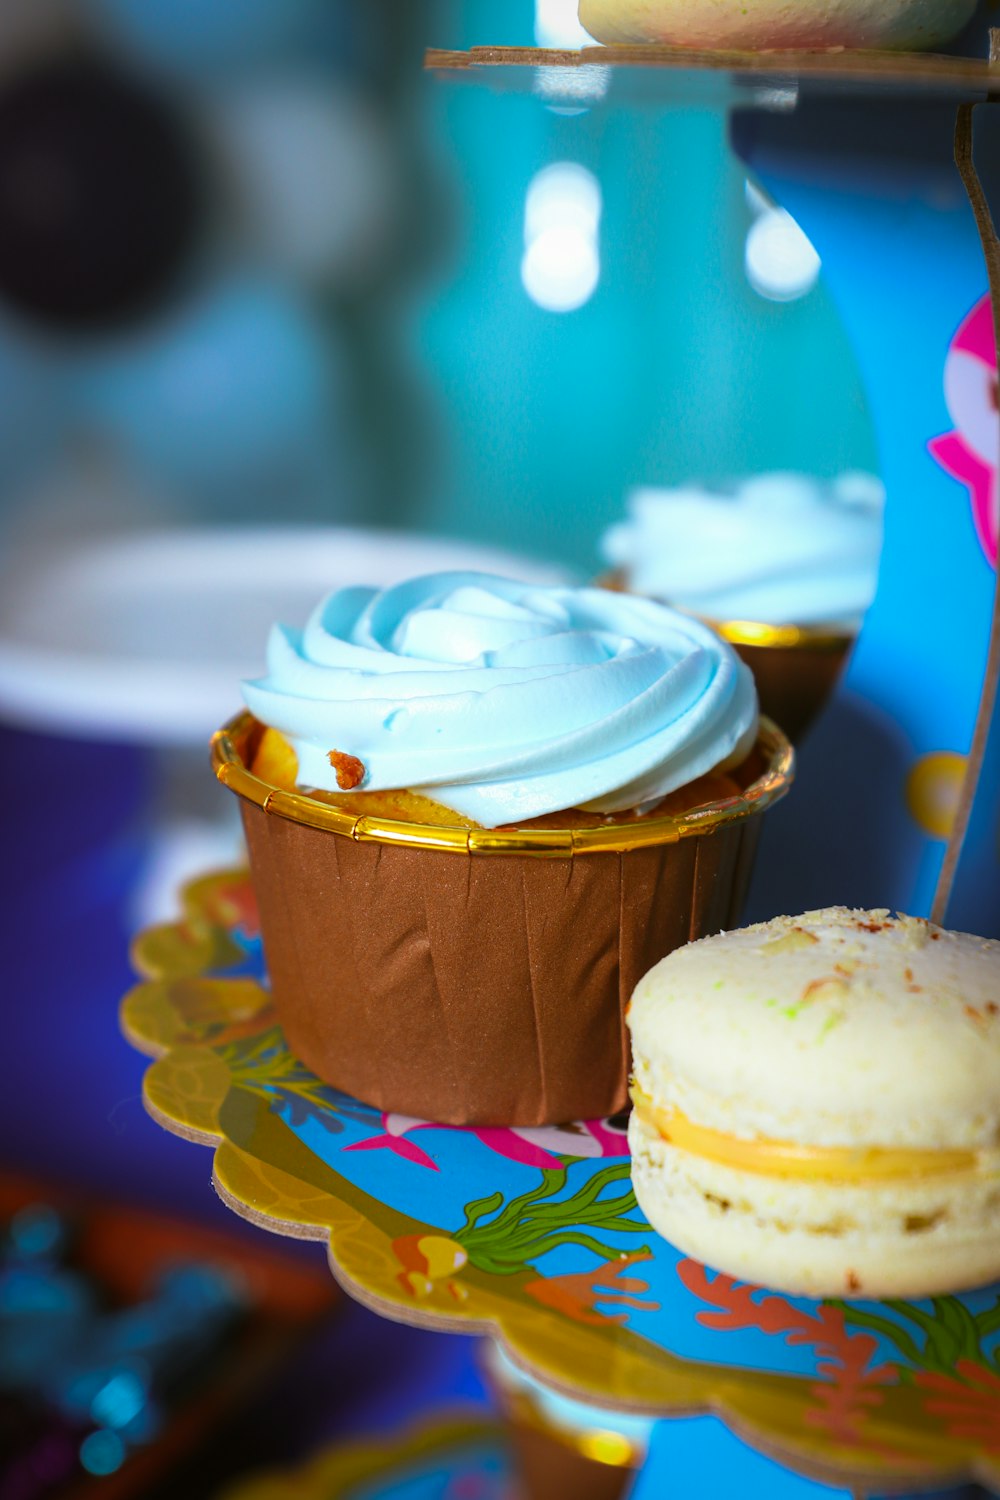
x,y
782,549
504,700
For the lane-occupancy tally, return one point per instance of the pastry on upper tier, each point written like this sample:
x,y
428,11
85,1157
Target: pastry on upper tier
x,y
756,24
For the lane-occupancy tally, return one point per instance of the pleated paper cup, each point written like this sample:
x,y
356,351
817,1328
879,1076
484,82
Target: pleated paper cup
x,y
474,976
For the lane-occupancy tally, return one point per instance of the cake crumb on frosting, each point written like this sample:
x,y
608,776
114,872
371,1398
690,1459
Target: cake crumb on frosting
x,y
350,771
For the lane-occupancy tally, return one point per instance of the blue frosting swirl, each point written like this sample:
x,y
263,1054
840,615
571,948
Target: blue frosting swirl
x,y
783,549
505,700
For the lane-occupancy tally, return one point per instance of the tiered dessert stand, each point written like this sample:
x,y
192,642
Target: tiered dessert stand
x,y
533,1236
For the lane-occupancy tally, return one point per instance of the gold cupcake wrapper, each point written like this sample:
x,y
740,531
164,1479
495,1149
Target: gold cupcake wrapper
x,y
402,975
748,632
596,1441
781,637
229,752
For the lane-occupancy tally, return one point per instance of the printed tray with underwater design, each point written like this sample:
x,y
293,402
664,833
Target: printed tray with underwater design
x,y
534,1236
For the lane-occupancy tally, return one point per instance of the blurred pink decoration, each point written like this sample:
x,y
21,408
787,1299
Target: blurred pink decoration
x,y
970,453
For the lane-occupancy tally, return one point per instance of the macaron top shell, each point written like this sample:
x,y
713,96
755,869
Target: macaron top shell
x,y
777,23
836,1028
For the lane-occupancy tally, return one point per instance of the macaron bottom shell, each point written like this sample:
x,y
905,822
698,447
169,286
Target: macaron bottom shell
x,y
903,24
917,1237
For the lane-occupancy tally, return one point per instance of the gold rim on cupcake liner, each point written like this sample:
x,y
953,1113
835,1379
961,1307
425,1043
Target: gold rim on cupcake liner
x,y
781,637
746,632
229,745
600,1445
598,1442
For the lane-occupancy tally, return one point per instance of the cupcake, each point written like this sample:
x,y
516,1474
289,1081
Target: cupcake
x,y
564,1446
817,1105
476,812
783,566
759,24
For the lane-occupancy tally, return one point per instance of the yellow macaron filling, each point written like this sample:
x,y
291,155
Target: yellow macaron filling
x,y
783,1159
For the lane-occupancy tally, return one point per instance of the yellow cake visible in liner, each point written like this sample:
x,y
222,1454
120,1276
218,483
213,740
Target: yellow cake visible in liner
x,y
275,762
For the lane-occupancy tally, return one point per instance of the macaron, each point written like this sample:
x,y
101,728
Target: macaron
x,y
817,1104
759,24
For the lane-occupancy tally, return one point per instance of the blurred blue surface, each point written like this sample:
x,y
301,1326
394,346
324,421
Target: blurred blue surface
x,y
673,370
75,839
190,37
238,398
473,408
32,406
877,189
359,1380
701,1457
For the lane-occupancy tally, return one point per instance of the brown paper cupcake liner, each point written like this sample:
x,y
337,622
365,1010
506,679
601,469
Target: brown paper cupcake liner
x,y
477,977
795,669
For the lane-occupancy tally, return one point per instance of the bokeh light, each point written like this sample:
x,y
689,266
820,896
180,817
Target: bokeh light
x,y
934,789
562,218
557,25
102,1453
564,195
781,261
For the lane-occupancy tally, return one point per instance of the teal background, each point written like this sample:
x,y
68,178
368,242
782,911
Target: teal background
x,y
675,370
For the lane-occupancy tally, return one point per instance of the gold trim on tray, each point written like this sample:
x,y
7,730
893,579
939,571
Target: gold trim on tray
x,y
229,745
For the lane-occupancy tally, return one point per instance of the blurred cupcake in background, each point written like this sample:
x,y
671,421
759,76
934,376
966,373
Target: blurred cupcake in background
x,y
784,566
563,1446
